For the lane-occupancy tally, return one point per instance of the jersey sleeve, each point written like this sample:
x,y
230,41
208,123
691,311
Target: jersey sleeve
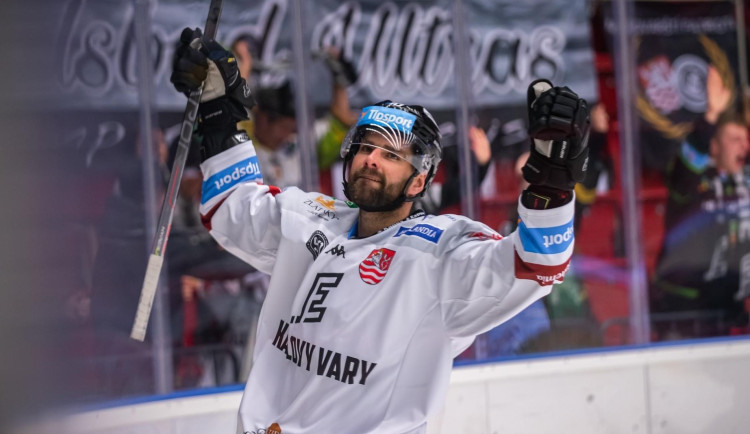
x,y
486,279
242,214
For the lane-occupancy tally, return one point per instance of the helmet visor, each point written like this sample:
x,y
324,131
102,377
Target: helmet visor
x,y
389,130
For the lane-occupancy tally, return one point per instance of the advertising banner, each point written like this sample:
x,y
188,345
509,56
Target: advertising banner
x,y
675,45
399,49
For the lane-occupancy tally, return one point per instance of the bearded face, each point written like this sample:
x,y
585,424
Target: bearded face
x,y
379,173
369,188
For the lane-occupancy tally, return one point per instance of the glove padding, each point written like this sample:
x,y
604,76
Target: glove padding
x,y
226,95
559,125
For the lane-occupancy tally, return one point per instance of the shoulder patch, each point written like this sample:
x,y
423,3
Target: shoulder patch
x,y
317,243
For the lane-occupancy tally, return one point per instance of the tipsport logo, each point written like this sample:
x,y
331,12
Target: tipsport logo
x,y
558,239
549,240
393,118
239,172
245,170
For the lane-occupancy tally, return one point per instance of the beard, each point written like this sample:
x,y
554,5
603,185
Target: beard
x,y
369,190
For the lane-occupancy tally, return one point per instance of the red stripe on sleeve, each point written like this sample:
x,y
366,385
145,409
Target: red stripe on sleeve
x,y
542,274
206,218
274,190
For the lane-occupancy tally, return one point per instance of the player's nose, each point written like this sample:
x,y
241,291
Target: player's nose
x,y
375,157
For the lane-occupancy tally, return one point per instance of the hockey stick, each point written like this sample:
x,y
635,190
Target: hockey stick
x,y
156,258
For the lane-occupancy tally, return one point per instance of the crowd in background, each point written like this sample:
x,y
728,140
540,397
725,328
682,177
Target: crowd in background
x,y
698,274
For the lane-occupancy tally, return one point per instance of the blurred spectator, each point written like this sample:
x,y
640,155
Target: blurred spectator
x,y
273,125
213,296
703,273
599,162
448,192
123,242
245,48
272,129
121,368
331,131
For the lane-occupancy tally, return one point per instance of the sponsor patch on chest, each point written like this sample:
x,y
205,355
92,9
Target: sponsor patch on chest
x,y
424,231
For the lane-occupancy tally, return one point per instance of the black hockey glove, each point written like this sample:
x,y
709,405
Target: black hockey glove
x,y
559,126
226,96
343,71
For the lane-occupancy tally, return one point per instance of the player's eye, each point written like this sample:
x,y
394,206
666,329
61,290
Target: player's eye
x,y
392,156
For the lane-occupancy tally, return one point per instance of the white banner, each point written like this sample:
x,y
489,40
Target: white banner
x,y
401,50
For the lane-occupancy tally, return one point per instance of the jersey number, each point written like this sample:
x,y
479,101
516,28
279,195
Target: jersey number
x,y
312,309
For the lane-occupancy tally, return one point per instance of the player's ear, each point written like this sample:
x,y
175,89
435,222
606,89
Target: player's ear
x,y
417,184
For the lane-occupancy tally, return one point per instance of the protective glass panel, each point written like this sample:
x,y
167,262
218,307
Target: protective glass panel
x,y
214,297
117,166
511,46
117,143
689,79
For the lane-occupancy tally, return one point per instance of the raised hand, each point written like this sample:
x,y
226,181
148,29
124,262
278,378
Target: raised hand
x,y
226,96
559,126
718,95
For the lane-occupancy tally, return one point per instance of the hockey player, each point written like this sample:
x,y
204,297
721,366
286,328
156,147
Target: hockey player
x,y
369,299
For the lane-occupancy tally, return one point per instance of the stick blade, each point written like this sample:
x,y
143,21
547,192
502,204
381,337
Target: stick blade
x,y
148,291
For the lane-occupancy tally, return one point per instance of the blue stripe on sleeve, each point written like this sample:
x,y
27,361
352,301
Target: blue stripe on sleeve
x,y
244,171
550,240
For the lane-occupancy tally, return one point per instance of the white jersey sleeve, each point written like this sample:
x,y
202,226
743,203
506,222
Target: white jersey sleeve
x,y
485,279
235,200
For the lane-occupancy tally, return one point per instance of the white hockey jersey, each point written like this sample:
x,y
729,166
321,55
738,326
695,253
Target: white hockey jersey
x,y
358,335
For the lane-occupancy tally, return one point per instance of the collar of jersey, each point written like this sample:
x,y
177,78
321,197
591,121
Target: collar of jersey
x,y
416,214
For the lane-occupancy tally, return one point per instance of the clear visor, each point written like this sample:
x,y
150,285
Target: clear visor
x,y
393,143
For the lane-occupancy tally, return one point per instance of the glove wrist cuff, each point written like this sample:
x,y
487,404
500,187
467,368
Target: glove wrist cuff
x,y
540,170
219,141
544,197
218,125
220,114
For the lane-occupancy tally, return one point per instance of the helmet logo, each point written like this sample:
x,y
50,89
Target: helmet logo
x,y
390,117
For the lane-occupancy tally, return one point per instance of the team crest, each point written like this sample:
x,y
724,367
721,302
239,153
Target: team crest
x,y
372,270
